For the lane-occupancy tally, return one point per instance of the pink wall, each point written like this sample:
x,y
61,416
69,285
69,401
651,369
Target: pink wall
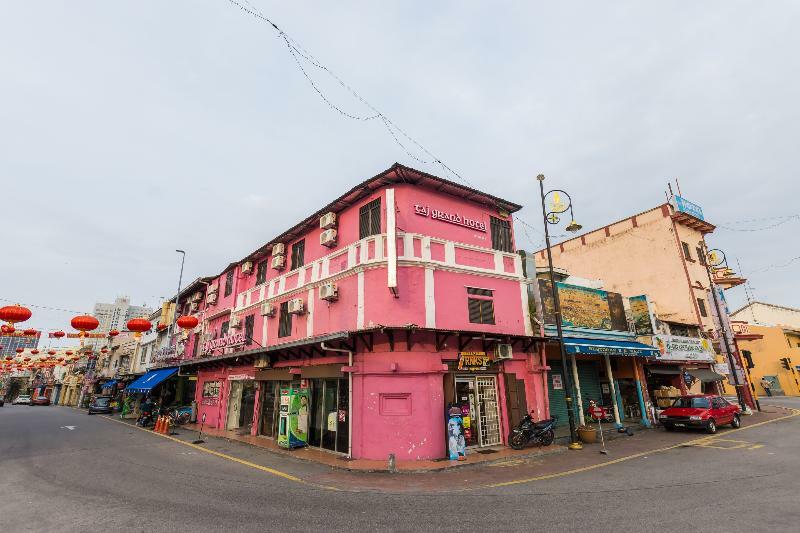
x,y
451,302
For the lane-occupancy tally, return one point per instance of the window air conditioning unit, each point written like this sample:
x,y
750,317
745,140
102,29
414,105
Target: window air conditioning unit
x,y
213,288
295,306
211,298
329,291
236,322
194,306
328,238
198,296
327,221
503,351
268,309
279,249
278,262
247,267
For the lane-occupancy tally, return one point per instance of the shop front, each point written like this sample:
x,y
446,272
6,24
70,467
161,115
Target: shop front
x,y
241,403
471,385
682,365
605,371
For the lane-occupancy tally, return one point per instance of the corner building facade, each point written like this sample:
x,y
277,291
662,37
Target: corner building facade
x,y
418,304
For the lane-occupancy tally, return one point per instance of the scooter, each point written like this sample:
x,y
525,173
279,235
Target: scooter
x,y
541,433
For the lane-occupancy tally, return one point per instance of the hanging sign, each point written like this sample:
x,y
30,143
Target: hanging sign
x,y
452,218
558,383
470,361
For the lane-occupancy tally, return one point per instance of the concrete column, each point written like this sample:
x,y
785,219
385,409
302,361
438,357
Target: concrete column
x,y
613,386
577,384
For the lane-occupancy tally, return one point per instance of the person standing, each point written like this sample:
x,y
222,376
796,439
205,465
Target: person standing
x,y
766,385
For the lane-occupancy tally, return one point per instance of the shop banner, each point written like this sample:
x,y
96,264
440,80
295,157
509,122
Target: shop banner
x,y
471,361
676,348
642,315
584,307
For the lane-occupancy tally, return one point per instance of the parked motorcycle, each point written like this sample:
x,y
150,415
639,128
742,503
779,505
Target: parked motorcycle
x,y
148,415
541,433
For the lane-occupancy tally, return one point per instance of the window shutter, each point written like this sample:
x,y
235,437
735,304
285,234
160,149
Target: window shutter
x,y
488,312
474,306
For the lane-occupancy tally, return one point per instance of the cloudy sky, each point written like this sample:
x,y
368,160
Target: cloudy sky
x,y
129,129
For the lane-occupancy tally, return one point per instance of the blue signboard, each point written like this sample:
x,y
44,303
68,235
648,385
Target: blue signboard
x,y
685,206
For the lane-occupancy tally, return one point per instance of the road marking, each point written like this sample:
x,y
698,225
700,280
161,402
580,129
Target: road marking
x,y
721,444
795,412
71,428
755,447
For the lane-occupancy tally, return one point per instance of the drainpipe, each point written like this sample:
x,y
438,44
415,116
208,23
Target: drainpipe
x,y
349,395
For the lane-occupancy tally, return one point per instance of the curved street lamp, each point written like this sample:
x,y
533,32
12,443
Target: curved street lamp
x,y
550,216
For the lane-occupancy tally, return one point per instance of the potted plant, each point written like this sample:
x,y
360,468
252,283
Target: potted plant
x,y
587,432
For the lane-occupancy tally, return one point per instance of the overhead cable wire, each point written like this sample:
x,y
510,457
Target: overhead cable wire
x,y
298,51
44,307
784,221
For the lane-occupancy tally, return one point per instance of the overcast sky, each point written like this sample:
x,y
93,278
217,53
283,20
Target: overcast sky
x,y
129,129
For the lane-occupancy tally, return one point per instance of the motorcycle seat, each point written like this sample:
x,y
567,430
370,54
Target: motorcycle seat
x,y
541,424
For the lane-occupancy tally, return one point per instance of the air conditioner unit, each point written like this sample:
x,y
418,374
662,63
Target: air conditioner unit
x,y
278,262
194,306
213,288
329,291
295,306
279,249
247,267
503,351
268,309
236,322
198,296
211,298
327,221
328,238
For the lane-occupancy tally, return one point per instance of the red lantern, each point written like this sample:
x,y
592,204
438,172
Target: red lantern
x,y
92,357
9,357
20,350
26,359
34,351
7,329
84,323
88,352
58,334
139,325
160,327
104,350
188,322
51,352
60,359
68,352
30,332
113,333
14,313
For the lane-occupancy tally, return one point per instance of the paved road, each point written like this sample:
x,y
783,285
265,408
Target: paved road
x,y
105,476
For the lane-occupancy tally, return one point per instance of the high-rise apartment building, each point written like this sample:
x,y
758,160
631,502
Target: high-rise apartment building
x,y
116,315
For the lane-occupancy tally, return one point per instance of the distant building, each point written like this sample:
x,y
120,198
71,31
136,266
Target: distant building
x,y
116,315
10,343
768,315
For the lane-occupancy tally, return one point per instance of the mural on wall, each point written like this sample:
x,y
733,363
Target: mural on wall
x,y
641,316
583,307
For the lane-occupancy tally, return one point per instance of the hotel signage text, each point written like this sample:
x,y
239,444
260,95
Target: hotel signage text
x,y
452,218
228,341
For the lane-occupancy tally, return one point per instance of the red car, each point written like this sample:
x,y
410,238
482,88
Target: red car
x,y
40,400
707,411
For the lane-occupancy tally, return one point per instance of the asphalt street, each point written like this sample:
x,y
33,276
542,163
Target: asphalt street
x,y
61,470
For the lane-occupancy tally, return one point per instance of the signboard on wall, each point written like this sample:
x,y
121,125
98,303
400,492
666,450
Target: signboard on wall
x,y
451,217
641,315
558,383
676,348
228,341
471,361
584,307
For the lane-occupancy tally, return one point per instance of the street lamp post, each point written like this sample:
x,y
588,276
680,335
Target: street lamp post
x,y
177,298
551,217
716,258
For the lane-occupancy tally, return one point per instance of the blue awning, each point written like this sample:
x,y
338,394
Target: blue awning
x,y
108,384
603,347
150,380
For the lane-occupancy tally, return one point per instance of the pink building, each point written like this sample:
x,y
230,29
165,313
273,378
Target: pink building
x,y
399,299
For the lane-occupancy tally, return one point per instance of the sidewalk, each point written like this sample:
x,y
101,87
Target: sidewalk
x,y
334,460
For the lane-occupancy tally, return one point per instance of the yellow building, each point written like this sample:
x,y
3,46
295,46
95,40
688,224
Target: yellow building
x,y
777,343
